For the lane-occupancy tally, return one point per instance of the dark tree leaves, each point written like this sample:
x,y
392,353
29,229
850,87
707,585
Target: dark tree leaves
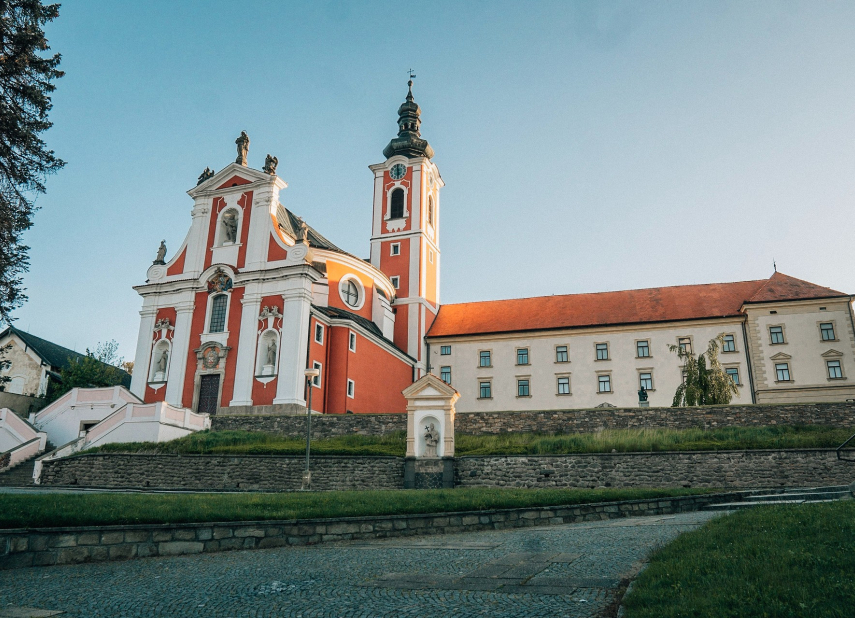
x,y
94,370
26,82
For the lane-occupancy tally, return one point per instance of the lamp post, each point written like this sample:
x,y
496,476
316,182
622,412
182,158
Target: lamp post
x,y
311,374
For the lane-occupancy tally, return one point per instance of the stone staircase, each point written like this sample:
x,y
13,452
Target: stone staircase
x,y
803,495
21,475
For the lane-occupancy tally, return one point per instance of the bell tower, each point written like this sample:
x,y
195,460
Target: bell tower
x,y
405,229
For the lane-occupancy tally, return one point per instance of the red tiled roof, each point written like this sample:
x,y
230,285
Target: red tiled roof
x,y
667,304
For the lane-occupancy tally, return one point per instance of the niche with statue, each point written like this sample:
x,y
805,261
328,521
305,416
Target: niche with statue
x,y
267,355
160,356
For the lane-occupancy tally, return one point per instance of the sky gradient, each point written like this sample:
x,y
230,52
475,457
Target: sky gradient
x,y
585,146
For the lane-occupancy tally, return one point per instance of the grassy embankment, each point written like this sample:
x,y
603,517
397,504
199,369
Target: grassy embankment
x,y
62,509
785,561
619,440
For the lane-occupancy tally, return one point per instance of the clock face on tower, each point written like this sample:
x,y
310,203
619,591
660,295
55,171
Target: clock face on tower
x,y
398,170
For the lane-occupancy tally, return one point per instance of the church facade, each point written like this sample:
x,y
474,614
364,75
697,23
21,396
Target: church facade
x,y
254,297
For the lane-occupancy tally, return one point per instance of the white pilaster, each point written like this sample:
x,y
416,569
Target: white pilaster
x,y
245,366
295,342
194,261
142,358
264,203
180,349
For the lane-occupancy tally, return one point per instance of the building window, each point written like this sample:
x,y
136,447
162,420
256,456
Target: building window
x,y
396,281
733,372
522,356
561,354
445,374
563,385
605,383
827,330
602,351
319,333
484,359
642,349
776,334
523,388
445,350
430,211
350,388
350,293
218,313
685,344
351,342
396,248
728,344
835,372
783,372
645,381
430,255
316,381
486,390
396,210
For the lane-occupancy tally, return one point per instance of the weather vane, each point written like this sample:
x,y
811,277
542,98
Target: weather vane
x,y
412,75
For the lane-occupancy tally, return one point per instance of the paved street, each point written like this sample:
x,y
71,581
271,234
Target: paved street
x,y
554,571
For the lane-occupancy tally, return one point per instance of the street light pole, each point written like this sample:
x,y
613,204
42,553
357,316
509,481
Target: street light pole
x,y
311,374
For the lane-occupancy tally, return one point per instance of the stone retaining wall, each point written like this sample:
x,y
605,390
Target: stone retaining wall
x,y
323,426
726,469
25,548
220,472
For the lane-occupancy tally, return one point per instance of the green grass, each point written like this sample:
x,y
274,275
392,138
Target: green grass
x,y
63,509
620,440
784,561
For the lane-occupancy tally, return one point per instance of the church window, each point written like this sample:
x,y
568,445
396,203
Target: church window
x,y
430,211
396,281
351,387
523,389
445,374
396,210
564,385
602,351
733,372
642,348
218,313
776,334
645,381
319,333
484,359
782,372
522,356
728,344
486,390
351,293
316,381
685,344
561,354
445,350
605,383
396,248
827,330
835,372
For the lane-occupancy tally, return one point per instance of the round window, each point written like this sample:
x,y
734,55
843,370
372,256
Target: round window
x,y
351,292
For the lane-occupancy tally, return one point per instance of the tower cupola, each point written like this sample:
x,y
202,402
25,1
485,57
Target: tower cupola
x,y
409,142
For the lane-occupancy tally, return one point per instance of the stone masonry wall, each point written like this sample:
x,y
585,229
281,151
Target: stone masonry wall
x,y
323,426
724,469
219,472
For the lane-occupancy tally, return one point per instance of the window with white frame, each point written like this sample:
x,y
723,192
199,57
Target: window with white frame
x,y
563,385
685,344
523,387
485,389
484,358
782,372
396,281
522,356
728,343
642,348
316,381
835,371
319,333
602,351
395,248
219,304
445,374
561,354
445,350
776,334
604,383
827,331
645,381
733,372
351,387
351,342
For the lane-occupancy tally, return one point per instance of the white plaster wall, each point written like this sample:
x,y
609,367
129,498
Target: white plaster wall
x,y
7,440
583,366
24,363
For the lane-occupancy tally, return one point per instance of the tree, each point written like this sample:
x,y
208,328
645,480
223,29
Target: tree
x,y
96,369
706,383
25,161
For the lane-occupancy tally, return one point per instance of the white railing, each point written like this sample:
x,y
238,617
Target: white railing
x,y
23,452
31,441
112,396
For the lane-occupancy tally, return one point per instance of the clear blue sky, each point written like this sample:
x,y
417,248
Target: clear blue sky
x,y
585,146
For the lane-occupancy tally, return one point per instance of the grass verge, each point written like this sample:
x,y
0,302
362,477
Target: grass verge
x,y
767,561
619,440
60,509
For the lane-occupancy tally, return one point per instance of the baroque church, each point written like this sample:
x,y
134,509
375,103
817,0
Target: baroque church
x,y
255,296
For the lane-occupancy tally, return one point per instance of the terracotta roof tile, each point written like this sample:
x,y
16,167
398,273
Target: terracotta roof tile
x,y
666,304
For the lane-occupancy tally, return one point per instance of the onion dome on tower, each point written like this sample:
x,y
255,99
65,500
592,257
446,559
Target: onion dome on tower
x,y
409,142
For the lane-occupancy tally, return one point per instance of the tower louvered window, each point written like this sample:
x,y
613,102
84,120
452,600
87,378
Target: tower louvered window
x,y
396,210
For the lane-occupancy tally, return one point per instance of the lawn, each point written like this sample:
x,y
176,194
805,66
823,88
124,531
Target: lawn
x,y
64,509
619,440
781,561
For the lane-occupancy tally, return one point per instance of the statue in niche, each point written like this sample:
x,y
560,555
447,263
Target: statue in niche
x,y
270,164
242,148
271,352
162,361
230,227
205,175
431,440
161,253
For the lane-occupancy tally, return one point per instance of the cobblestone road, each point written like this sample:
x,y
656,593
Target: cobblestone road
x,y
556,571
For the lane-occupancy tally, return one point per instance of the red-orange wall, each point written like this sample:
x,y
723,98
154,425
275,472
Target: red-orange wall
x,y
335,272
245,204
319,352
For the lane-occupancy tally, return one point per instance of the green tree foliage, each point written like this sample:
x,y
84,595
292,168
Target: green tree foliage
x,y
25,87
706,382
96,369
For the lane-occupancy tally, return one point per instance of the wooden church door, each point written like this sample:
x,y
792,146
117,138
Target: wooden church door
x,y
209,391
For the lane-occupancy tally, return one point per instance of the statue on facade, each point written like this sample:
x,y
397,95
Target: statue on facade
x,y
230,226
162,361
642,395
242,148
161,253
205,175
271,352
431,440
270,164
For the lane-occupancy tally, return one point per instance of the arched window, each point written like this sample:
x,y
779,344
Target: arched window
x,y
351,292
396,210
430,211
218,313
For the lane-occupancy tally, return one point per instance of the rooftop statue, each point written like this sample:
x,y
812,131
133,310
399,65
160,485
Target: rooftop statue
x,y
161,253
242,148
270,164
